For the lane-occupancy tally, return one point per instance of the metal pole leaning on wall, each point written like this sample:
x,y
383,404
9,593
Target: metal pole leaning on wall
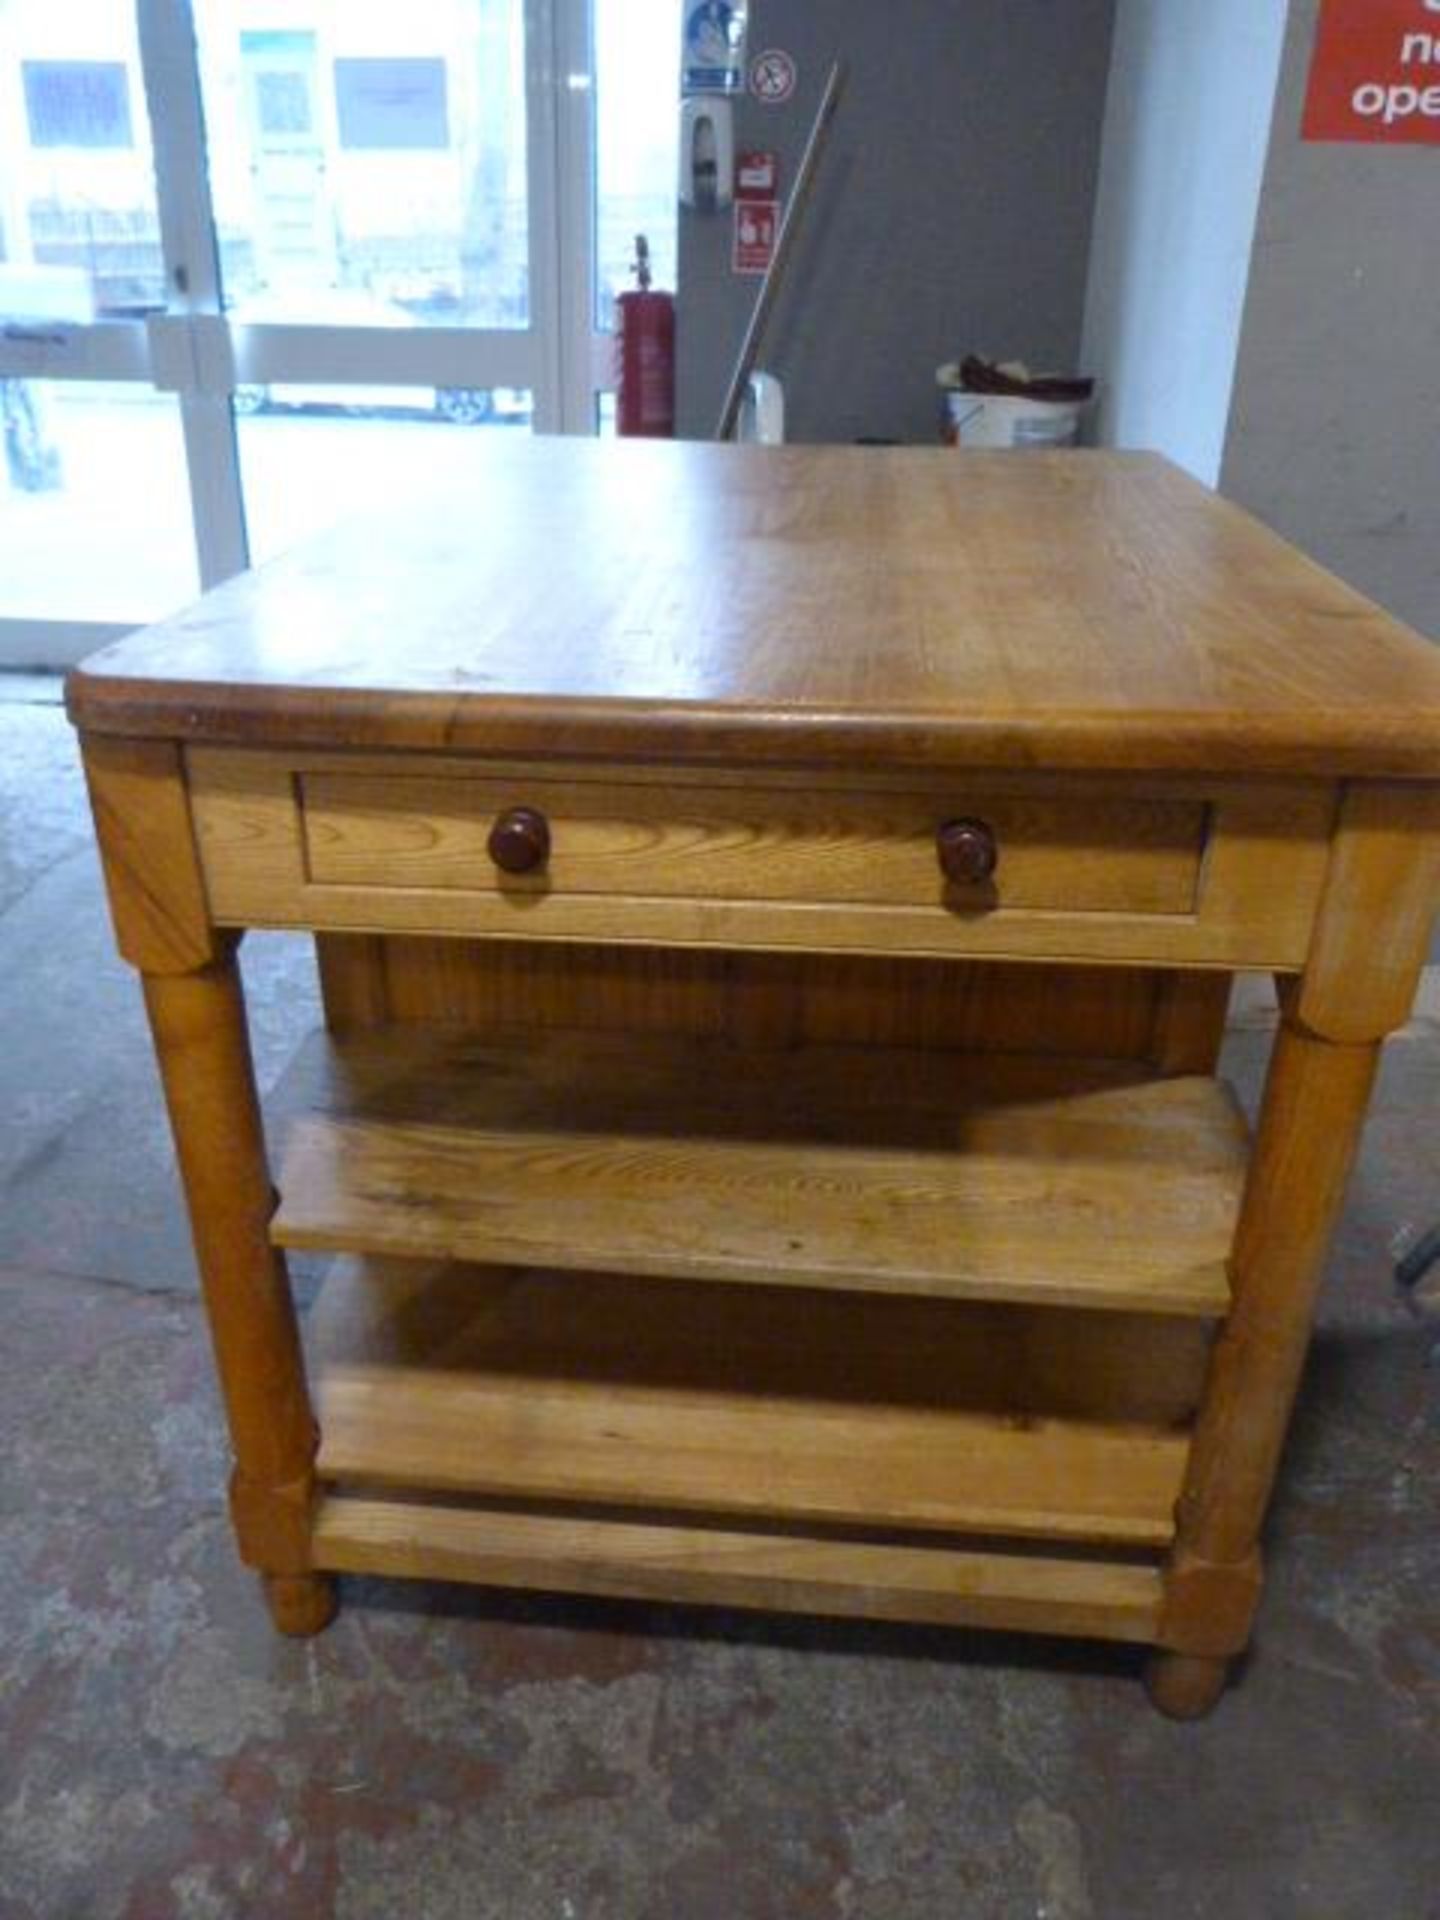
x,y
784,247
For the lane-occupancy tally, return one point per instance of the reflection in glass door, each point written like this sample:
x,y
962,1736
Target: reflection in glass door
x,y
294,235
379,151
368,171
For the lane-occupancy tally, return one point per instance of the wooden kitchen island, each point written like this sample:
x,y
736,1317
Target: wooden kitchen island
x,y
775,911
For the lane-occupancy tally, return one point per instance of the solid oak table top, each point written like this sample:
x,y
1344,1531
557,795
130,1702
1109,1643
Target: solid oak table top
x,y
676,601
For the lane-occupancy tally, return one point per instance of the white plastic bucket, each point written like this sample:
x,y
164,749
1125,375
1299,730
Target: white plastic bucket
x,y
1000,420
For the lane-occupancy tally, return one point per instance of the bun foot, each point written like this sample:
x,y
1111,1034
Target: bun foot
x,y
300,1604
1183,1686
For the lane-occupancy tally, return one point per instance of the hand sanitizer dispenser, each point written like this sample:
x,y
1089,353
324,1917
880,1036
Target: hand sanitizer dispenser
x,y
707,153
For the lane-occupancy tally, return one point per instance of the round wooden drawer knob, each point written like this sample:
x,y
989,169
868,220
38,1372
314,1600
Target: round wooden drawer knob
x,y
520,840
968,852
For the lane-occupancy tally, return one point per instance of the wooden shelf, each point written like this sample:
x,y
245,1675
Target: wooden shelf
x,y
1022,1591
1056,1182
694,1399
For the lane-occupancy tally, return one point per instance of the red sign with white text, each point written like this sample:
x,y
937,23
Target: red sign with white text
x,y
757,176
1376,73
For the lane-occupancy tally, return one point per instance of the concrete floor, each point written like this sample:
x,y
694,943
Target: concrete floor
x,y
446,1753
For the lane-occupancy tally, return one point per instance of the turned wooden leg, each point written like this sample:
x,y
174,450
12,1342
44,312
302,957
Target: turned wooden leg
x,y
159,905
1314,1105
1310,1125
202,1043
300,1604
1369,943
1184,1686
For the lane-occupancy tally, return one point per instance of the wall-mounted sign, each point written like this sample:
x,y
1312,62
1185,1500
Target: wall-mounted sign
x,y
773,76
756,224
714,56
1376,73
757,176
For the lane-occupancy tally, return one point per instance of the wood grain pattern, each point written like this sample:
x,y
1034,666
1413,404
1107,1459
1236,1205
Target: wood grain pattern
x,y
772,1343
1310,1125
945,1587
862,1464
354,989
1190,1021
920,607
1381,898
202,1045
974,1181
1358,984
1201,754
1210,1607
754,998
754,843
147,850
1263,869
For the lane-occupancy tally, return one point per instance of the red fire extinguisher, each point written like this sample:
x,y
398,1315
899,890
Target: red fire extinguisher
x,y
645,354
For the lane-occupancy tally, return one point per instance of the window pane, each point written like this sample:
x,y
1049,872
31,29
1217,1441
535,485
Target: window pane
x,y
369,167
637,143
79,234
94,505
311,456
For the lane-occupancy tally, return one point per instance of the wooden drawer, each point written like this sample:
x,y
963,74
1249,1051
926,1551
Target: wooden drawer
x,y
675,842
1086,869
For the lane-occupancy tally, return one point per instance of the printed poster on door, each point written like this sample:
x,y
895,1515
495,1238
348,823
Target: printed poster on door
x,y
714,55
1376,73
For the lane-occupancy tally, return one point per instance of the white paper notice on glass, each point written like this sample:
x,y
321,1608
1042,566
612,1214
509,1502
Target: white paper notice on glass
x,y
392,105
714,56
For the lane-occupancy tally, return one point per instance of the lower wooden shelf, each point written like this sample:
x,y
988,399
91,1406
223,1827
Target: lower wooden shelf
x,y
693,1399
709,1566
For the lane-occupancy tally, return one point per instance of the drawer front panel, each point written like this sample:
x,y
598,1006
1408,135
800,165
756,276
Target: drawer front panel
x,y
699,843
1178,872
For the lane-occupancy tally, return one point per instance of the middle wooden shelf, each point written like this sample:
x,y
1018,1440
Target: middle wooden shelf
x,y
1046,1182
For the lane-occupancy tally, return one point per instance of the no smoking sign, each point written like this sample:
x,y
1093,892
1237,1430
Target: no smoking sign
x,y
773,76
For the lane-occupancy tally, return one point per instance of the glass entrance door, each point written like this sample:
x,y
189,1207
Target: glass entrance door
x,y
264,263
92,458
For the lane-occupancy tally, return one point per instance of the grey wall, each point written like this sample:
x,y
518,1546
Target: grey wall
x,y
1335,425
953,211
1192,92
